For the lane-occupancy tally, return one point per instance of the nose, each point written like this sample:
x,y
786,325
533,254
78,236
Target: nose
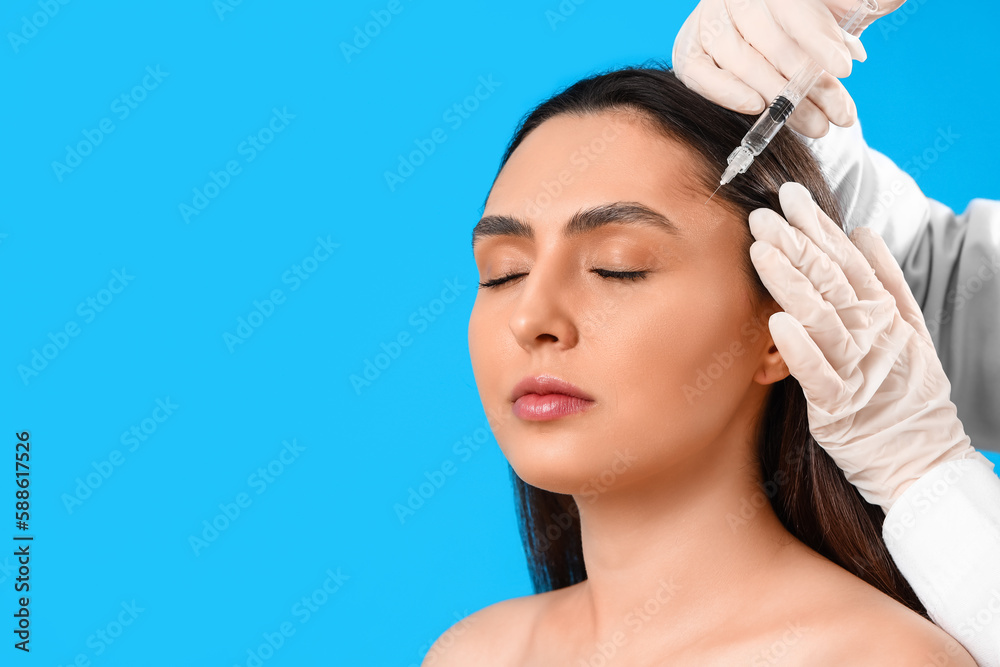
x,y
543,313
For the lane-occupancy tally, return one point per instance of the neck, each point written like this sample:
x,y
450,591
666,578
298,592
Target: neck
x,y
682,551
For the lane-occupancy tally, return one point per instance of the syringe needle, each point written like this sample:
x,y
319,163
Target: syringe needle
x,y
713,194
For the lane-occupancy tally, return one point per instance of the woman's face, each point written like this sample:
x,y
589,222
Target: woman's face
x,y
677,361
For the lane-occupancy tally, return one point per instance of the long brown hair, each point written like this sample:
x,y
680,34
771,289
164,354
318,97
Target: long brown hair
x,y
809,493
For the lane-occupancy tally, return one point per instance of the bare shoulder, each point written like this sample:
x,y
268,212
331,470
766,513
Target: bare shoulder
x,y
850,622
904,638
493,635
866,628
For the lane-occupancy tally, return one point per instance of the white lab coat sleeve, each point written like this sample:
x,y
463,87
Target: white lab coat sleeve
x,y
953,270
944,536
944,531
873,192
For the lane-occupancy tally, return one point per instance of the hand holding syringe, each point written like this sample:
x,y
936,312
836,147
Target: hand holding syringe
x,y
774,117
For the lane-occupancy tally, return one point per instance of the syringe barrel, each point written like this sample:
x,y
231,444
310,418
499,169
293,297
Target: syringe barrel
x,y
768,124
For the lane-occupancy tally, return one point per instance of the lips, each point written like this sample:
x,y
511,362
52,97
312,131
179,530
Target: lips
x,y
538,407
547,384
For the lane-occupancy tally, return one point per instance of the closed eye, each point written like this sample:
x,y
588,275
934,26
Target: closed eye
x,y
604,273
621,275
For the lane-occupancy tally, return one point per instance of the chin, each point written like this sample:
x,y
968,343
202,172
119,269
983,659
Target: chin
x,y
560,463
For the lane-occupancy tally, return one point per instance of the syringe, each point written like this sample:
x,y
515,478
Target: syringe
x,y
774,117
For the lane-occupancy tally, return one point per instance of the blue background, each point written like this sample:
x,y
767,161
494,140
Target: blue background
x,y
322,176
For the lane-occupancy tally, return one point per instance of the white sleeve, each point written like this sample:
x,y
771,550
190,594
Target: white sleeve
x,y
873,192
944,535
953,270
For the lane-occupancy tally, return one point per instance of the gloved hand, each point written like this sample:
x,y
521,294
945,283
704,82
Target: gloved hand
x,y
741,53
854,337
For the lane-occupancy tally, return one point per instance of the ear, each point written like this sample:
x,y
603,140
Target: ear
x,y
772,367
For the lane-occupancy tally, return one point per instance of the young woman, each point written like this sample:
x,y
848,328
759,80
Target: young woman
x,y
675,508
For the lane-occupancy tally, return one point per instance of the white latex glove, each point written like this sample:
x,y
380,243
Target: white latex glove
x,y
741,53
854,337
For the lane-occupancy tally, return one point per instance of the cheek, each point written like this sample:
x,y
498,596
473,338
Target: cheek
x,y
684,359
488,338
477,346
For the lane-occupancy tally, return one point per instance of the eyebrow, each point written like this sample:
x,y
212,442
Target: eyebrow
x,y
582,222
